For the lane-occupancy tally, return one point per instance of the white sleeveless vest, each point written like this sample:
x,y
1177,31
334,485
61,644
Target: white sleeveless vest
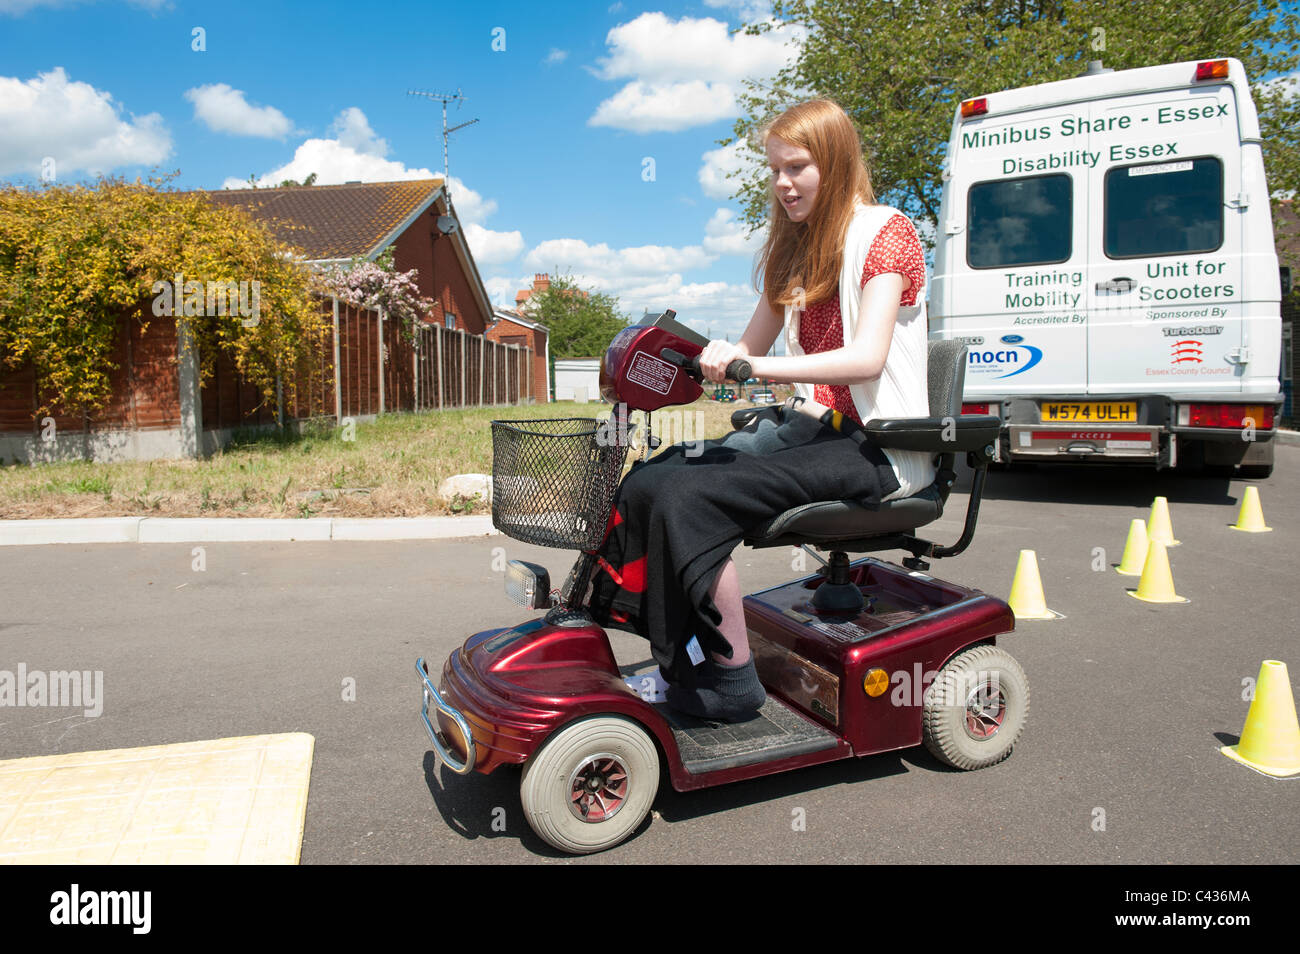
x,y
901,390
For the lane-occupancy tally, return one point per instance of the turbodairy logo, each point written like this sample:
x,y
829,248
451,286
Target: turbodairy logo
x,y
1003,362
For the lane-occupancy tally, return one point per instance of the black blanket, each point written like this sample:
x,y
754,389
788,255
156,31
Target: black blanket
x,y
678,516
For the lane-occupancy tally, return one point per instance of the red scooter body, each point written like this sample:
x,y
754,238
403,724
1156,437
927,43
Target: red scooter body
x,y
517,686
913,660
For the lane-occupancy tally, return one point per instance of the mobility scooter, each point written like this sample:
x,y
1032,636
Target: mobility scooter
x,y
860,658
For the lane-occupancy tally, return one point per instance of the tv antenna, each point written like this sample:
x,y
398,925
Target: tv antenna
x,y
444,98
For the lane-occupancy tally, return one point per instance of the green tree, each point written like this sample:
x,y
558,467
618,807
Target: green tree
x,y
580,323
900,68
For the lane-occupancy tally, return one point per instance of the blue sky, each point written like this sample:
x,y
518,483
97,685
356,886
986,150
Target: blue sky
x,y
554,176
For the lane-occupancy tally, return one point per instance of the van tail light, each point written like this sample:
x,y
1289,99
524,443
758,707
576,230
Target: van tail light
x,y
974,408
977,107
1212,69
1230,415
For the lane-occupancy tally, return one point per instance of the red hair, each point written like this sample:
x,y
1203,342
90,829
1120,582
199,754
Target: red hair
x,y
807,255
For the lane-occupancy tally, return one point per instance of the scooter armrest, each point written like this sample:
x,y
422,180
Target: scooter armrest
x,y
741,419
968,432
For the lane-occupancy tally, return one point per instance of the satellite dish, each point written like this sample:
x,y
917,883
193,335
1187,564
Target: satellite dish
x,y
448,224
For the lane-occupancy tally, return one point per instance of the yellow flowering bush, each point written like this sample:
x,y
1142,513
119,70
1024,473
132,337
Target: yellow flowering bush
x,y
75,260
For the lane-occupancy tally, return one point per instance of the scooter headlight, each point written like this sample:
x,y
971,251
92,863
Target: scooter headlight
x,y
528,584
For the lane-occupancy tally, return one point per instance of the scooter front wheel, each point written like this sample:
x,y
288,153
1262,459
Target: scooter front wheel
x,y
591,784
976,708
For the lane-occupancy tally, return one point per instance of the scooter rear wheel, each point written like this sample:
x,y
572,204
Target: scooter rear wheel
x,y
976,708
591,784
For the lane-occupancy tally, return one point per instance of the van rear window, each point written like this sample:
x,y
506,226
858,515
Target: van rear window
x,y
1020,222
1167,208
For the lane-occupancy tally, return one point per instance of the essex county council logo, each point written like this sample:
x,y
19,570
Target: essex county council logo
x,y
1187,351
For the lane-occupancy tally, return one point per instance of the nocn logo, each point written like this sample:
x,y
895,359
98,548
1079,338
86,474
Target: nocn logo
x,y
1003,362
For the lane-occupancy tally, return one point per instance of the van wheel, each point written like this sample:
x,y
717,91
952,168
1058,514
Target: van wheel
x,y
591,784
1255,471
976,708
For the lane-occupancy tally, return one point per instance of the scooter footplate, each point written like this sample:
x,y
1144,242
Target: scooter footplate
x,y
774,733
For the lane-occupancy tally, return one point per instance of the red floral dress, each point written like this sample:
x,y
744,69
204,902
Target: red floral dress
x,y
896,248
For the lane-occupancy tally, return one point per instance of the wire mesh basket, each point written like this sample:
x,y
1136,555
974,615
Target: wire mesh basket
x,y
553,481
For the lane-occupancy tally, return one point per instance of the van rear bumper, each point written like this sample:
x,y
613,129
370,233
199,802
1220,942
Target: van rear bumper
x,y
1154,437
1072,441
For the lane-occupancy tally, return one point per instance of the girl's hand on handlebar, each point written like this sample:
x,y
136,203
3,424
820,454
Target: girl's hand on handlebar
x,y
716,356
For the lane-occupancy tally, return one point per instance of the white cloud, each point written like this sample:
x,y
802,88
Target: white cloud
x,y
223,109
656,49
683,72
644,277
19,7
718,164
471,208
714,308
1288,83
493,248
726,235
501,289
607,267
355,154
556,56
667,107
80,127
354,132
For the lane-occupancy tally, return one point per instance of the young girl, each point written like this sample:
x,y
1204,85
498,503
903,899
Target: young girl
x,y
845,278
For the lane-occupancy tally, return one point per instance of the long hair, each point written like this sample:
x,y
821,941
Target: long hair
x,y
807,255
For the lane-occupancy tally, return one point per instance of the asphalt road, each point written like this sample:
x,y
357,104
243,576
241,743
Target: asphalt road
x,y
1130,701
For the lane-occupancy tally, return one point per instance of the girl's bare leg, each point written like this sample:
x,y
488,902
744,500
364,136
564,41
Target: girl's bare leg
x,y
727,597
731,691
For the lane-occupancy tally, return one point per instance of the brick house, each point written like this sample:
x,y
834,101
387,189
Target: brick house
x,y
509,327
360,220
159,409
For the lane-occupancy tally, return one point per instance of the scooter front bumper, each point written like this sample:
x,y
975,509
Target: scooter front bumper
x,y
448,758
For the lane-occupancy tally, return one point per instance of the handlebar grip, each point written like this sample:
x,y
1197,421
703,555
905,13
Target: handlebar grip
x,y
738,370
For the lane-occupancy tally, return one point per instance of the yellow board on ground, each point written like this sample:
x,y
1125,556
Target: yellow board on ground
x,y
226,801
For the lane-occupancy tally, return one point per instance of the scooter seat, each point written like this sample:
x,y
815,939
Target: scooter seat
x,y
842,521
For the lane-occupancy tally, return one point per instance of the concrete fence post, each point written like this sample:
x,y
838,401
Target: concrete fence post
x,y
382,363
187,382
338,386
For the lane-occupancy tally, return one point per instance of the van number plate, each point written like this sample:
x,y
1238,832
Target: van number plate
x,y
1113,412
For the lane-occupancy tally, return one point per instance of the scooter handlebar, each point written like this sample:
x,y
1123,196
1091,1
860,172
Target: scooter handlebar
x,y
738,370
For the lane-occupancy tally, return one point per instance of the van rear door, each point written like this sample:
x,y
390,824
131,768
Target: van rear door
x,y
1013,288
1164,279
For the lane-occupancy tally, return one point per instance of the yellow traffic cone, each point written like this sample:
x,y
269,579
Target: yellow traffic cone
x,y
1270,742
1135,549
1157,582
1027,600
1159,526
1251,517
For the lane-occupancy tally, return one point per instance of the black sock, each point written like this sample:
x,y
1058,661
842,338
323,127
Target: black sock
x,y
726,693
